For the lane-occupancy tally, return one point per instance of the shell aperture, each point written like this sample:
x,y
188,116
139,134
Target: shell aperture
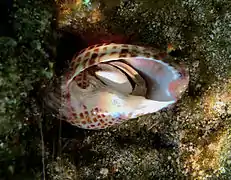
x,y
114,78
111,83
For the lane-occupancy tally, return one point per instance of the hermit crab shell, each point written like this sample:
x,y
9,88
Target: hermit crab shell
x,y
111,83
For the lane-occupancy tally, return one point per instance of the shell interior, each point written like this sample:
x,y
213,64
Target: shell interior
x,y
158,75
151,77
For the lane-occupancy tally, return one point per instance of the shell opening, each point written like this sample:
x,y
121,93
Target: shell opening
x,y
159,77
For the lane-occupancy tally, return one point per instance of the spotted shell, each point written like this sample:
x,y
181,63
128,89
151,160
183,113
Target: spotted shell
x,y
93,96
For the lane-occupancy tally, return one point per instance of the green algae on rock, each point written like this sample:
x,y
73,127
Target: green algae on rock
x,y
24,59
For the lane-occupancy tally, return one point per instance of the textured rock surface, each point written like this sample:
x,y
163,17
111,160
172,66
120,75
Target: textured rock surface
x,y
191,140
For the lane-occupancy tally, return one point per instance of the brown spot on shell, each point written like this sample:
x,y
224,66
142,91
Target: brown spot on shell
x,y
92,112
123,55
96,50
92,60
124,51
74,114
78,60
89,120
94,55
87,54
102,121
81,115
113,53
97,109
85,64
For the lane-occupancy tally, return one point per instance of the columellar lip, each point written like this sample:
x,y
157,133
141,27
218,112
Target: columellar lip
x,y
110,83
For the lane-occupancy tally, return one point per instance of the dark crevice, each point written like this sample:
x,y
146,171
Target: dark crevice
x,y
6,28
67,46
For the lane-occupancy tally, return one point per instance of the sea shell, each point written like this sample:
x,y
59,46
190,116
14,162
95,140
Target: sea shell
x,y
108,84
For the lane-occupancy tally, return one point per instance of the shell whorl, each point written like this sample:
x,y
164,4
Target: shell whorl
x,y
110,51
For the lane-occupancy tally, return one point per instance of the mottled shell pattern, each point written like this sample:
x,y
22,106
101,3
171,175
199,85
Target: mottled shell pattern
x,y
111,83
